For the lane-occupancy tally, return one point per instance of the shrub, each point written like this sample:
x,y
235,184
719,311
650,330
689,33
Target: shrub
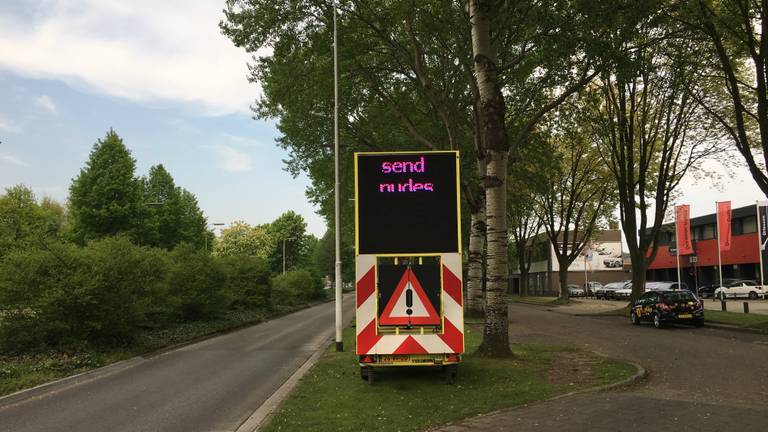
x,y
197,284
248,281
63,295
295,287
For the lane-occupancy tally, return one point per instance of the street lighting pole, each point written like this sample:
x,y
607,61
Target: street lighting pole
x,y
339,341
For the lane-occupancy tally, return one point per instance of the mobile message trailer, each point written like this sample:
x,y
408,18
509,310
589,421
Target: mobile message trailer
x,y
409,302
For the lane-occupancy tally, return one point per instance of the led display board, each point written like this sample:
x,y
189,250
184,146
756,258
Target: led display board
x,y
407,202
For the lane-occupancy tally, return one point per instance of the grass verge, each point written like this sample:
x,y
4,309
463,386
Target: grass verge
x,y
753,321
332,396
26,371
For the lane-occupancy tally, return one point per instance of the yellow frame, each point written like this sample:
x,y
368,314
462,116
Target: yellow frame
x,y
458,203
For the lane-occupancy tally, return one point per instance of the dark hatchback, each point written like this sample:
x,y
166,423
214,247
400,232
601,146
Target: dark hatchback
x,y
661,307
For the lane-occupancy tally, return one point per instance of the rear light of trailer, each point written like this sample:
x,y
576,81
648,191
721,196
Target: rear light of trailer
x,y
452,358
367,359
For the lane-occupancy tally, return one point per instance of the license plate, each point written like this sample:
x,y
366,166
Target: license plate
x,y
395,359
684,316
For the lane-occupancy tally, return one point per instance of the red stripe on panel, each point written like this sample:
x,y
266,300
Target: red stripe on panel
x,y
452,285
453,337
365,286
367,338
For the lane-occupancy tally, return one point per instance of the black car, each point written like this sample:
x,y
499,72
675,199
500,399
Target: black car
x,y
660,307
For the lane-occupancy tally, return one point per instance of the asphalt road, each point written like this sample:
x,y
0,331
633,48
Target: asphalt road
x,y
699,379
213,385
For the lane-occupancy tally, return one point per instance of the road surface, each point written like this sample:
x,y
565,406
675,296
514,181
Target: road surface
x,y
699,379
213,385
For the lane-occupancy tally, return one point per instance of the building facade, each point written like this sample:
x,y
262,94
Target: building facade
x,y
602,260
742,261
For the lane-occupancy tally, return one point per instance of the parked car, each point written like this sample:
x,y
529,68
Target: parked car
x,y
613,262
660,307
575,291
624,292
607,291
743,288
664,286
590,288
707,291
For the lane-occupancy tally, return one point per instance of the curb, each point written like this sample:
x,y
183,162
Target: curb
x,y
638,376
267,410
734,328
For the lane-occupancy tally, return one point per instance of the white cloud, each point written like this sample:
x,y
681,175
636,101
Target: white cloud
x,y
141,50
46,103
233,160
13,160
7,125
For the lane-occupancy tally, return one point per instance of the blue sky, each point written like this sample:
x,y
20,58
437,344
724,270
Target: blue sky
x,y
175,89
163,78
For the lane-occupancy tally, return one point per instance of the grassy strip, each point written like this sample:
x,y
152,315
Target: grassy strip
x,y
753,321
25,371
533,299
333,397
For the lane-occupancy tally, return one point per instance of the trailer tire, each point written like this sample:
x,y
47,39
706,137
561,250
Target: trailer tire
x,y
364,373
370,376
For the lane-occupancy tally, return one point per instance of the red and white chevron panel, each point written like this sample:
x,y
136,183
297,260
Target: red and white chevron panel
x,y
451,341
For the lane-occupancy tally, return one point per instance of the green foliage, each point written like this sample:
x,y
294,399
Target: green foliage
x,y
248,281
297,286
241,239
289,232
171,215
24,222
106,197
197,284
65,295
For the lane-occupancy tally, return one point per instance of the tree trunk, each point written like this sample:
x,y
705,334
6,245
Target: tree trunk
x,y
492,111
563,277
638,274
475,261
523,282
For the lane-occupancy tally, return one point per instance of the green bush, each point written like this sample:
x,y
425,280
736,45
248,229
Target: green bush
x,y
197,284
248,281
64,295
295,287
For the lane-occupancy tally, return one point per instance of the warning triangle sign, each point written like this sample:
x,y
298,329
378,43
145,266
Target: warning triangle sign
x,y
409,304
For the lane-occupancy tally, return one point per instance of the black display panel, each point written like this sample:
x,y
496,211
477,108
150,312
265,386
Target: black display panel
x,y
407,203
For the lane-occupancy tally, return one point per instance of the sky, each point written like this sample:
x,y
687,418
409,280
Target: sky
x,y
175,89
164,78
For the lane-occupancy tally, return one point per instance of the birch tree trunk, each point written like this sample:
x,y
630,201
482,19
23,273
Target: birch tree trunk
x,y
496,331
475,259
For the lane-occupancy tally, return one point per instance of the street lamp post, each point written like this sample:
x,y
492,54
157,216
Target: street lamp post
x,y
289,238
339,341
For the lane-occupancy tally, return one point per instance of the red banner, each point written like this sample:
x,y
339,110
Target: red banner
x,y
724,225
683,221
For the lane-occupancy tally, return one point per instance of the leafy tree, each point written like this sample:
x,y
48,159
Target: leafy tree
x,y
575,202
650,129
106,197
241,239
289,234
732,55
171,214
24,222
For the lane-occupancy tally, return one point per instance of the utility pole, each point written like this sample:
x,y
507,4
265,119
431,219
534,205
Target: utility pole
x,y
339,341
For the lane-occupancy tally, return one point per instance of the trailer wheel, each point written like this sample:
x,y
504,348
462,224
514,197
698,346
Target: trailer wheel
x,y
364,372
370,376
450,373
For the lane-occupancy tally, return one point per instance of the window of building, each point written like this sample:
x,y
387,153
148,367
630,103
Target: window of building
x,y
749,224
737,226
706,232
